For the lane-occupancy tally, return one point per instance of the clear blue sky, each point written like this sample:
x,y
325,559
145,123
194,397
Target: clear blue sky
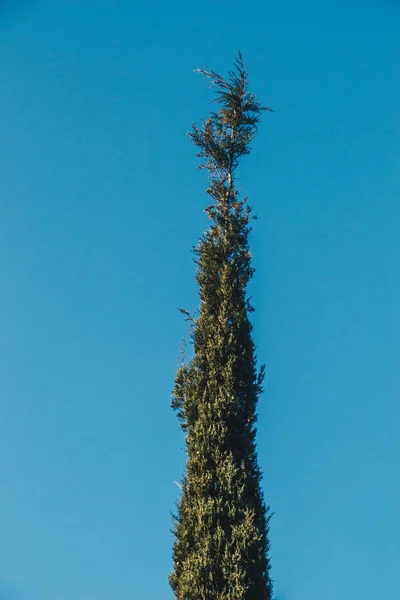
x,y
100,203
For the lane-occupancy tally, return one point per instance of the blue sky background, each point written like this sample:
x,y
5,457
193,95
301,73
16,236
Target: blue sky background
x,y
100,203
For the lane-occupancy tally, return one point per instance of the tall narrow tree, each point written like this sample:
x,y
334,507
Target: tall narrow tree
x,y
221,528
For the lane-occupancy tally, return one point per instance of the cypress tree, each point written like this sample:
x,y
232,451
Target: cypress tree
x,y
221,548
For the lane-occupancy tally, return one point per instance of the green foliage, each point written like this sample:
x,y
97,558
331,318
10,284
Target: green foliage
x,y
221,528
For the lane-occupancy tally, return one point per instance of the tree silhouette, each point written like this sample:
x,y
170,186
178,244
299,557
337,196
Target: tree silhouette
x,y
221,527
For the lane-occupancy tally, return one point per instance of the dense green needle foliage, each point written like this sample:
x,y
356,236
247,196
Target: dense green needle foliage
x,y
221,528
